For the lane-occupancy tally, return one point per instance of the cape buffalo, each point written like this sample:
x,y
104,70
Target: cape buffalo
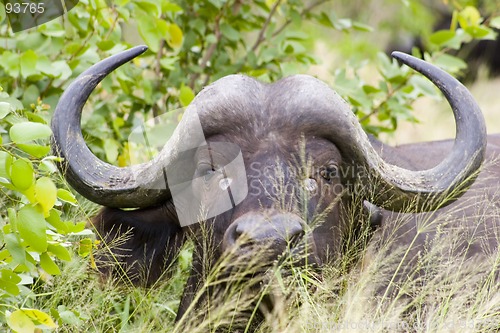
x,y
311,174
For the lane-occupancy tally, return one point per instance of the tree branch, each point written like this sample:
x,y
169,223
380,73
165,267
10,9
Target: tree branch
x,y
158,76
260,37
304,12
391,93
210,51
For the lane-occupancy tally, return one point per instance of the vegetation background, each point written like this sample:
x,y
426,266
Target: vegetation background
x,y
46,250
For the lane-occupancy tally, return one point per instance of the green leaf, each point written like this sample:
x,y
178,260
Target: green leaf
x,y
59,251
152,31
389,69
9,281
66,196
469,17
30,94
5,164
175,36
20,322
45,194
33,117
5,109
229,32
424,86
151,7
47,165
217,3
15,248
30,41
186,95
32,228
10,62
479,32
39,317
28,63
167,6
26,131
442,36
55,220
15,104
295,17
60,69
44,66
456,42
168,63
2,14
68,316
12,214
49,265
293,47
105,45
111,149
85,247
8,275
79,228
450,63
362,27
326,19
22,174
369,89
37,151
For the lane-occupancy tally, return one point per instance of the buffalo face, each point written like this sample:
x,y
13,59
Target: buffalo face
x,y
288,195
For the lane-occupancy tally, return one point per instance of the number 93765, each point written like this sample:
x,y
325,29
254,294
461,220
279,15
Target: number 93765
x,y
24,7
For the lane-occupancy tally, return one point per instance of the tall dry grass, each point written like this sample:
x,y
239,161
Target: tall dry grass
x,y
412,275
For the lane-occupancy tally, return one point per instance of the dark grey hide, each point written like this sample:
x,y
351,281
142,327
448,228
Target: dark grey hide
x,y
311,172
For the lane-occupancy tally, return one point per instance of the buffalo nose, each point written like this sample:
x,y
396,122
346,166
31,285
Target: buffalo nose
x,y
277,229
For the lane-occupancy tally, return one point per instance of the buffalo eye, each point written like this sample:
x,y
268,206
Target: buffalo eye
x,y
207,176
207,172
329,172
210,173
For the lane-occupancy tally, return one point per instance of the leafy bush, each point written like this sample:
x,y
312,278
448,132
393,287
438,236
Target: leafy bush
x,y
36,232
381,106
191,43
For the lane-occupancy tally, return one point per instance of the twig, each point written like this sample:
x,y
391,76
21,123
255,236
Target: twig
x,y
158,75
388,97
210,51
260,37
113,25
304,12
49,85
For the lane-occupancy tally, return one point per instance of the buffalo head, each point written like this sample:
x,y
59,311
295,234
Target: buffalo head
x,y
305,156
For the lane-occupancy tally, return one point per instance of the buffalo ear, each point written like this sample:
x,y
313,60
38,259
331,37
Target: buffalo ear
x,y
139,246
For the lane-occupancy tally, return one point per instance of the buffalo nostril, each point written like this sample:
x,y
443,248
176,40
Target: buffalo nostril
x,y
281,229
245,237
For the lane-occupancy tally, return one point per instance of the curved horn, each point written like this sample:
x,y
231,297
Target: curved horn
x,y
136,186
400,188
